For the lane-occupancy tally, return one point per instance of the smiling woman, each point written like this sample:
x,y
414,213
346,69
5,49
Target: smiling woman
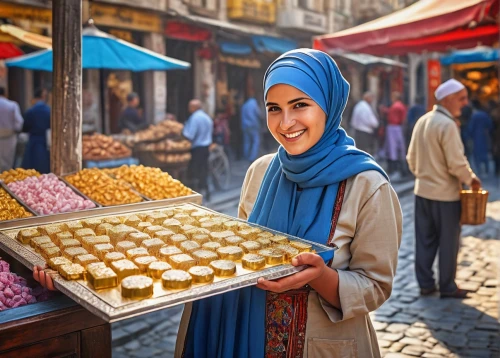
x,y
294,119
319,187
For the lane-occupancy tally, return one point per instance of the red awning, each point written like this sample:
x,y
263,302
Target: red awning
x,y
187,32
8,50
421,20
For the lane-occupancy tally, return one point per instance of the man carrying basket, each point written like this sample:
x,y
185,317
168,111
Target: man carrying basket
x,y
436,158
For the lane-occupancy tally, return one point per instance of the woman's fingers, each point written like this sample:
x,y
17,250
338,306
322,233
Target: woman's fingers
x,y
35,273
307,258
49,281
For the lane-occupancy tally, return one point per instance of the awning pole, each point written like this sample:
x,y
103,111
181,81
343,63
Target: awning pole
x,y
66,120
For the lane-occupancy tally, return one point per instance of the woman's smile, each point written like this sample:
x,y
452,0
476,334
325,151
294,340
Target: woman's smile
x,y
294,136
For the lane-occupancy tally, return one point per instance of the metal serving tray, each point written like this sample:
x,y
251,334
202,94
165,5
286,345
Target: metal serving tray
x,y
110,306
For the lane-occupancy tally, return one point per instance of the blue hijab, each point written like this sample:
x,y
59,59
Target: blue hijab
x,y
233,324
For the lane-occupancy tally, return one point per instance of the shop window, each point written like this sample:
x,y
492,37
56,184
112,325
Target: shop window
x,y
208,5
313,5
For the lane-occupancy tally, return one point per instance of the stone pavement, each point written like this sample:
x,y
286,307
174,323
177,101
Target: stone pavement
x,y
407,325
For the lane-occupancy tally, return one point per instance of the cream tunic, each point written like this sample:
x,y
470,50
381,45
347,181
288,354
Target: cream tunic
x,y
370,213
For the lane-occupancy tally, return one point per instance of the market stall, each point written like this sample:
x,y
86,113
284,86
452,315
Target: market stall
x,y
477,69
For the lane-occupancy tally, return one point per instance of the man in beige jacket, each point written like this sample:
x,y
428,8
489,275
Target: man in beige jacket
x,y
436,158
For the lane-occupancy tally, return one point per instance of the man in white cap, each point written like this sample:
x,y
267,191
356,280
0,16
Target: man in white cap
x,y
436,158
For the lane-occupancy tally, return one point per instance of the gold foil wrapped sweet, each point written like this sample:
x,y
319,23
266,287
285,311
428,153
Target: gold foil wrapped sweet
x,y
200,239
250,247
57,261
172,224
278,240
66,243
50,252
249,234
119,233
186,219
176,280
100,250
65,235
289,251
156,218
137,287
113,256
103,189
37,241
301,246
223,268
13,175
81,233
181,262
263,241
202,274
51,231
204,257
132,221
112,220
157,268
212,246
233,253
151,182
73,226
150,230
143,225
153,246
24,236
164,235
138,251
91,223
177,239
86,259
124,246
265,234
101,277
167,251
143,262
72,252
253,262
47,245
72,272
232,225
220,236
89,242
233,240
138,237
272,256
102,229
124,268
189,246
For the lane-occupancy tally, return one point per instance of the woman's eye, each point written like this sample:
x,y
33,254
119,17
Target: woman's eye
x,y
273,109
300,105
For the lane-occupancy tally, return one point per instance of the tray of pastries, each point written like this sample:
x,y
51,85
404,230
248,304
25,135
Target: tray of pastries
x,y
124,264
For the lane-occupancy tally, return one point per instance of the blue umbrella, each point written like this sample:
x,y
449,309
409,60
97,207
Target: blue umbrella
x,y
478,54
103,51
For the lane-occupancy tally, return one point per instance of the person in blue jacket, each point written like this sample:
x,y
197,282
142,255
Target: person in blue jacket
x,y
479,129
36,124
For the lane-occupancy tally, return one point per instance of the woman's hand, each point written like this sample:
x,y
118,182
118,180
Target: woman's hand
x,y
315,270
44,278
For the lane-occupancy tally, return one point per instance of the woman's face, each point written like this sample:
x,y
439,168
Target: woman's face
x,y
294,119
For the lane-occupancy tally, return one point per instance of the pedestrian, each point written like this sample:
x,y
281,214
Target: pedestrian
x,y
131,118
198,129
250,125
222,134
414,114
365,124
495,136
11,122
479,129
436,158
322,311
37,125
395,147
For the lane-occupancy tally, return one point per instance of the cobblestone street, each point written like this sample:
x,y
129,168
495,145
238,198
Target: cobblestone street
x,y
407,325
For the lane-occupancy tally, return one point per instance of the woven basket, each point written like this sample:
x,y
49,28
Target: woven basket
x,y
473,206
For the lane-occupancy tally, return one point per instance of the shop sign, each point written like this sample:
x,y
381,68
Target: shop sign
x,y
187,32
26,13
113,16
300,19
122,35
259,11
157,5
433,81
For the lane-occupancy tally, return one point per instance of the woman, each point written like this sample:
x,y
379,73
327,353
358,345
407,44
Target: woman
x,y
305,96
321,311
